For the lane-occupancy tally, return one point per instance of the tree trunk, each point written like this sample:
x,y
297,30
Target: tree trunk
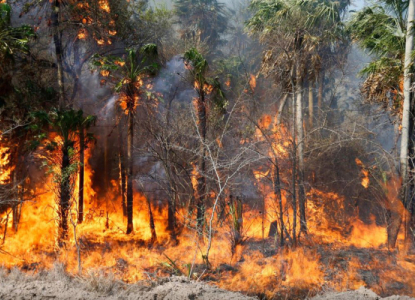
x,y
152,226
65,196
310,104
283,101
201,180
130,171
58,50
405,118
320,93
81,175
294,172
278,196
300,151
122,171
171,204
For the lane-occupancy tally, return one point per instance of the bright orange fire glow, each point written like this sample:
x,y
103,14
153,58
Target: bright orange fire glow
x,y
252,82
104,5
105,73
5,168
332,229
82,34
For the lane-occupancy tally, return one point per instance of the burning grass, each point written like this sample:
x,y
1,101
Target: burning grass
x,y
327,260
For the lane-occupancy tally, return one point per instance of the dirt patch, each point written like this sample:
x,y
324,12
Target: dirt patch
x,y
360,294
57,285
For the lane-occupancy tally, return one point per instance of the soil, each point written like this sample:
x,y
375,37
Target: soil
x,y
56,284
60,286
360,294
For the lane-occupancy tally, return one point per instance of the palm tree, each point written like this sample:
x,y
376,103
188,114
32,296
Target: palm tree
x,y
66,124
202,21
385,31
130,73
12,39
207,90
293,31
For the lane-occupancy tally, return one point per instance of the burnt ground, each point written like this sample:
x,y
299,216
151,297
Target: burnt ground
x,y
344,268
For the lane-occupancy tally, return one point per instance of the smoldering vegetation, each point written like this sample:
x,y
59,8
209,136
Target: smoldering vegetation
x,y
237,143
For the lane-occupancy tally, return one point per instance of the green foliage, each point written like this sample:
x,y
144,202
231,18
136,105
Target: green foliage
x,y
309,33
127,71
65,123
12,39
198,67
381,29
199,63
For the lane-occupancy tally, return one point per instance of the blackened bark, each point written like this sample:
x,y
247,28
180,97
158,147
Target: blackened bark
x,y
130,140
81,176
65,195
201,180
278,196
122,171
58,50
152,226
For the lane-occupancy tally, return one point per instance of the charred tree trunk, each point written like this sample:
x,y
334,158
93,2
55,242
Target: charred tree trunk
x,y
122,171
58,50
152,226
278,196
81,175
171,204
294,173
65,196
130,163
201,180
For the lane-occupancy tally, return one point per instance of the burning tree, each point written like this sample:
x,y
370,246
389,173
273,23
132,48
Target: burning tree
x,y
300,27
198,68
58,132
389,83
130,74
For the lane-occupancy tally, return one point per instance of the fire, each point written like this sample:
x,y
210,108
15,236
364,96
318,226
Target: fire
x,y
252,82
256,265
5,168
365,180
82,34
112,32
105,73
104,5
207,88
120,63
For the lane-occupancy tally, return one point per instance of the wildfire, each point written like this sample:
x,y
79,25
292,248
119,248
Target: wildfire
x,y
5,169
82,34
207,88
365,180
105,73
104,5
120,63
252,82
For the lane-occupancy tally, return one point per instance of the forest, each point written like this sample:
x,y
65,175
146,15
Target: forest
x,y
264,147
